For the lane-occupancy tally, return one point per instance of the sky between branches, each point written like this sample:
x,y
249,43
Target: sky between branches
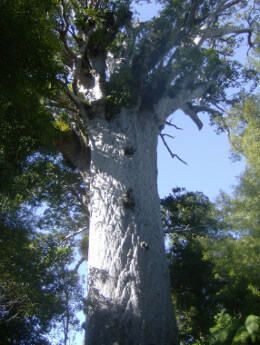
x,y
209,168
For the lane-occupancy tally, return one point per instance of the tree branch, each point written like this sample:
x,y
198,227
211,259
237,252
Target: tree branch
x,y
75,233
182,93
75,99
173,155
180,229
192,112
81,260
57,104
167,135
79,60
227,30
171,124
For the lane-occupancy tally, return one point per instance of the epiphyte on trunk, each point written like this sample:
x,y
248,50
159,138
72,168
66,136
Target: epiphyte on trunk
x,y
129,151
127,199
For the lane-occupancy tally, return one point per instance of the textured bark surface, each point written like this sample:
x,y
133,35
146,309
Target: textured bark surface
x,y
128,299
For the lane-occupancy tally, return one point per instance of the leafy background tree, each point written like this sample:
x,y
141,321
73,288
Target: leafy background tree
x,y
36,281
188,217
214,248
238,262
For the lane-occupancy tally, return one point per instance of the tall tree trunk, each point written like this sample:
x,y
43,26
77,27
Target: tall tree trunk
x,y
129,301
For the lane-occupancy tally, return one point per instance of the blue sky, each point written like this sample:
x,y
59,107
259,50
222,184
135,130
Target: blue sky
x,y
209,167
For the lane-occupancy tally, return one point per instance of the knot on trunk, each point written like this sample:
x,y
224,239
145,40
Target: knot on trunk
x,y
127,199
144,245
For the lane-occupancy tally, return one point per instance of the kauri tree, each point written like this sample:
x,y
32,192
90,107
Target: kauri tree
x,y
117,81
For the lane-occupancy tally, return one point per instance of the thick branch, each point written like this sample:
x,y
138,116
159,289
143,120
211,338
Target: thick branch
x,y
74,151
227,30
221,6
151,52
81,260
79,60
182,93
192,112
75,99
58,104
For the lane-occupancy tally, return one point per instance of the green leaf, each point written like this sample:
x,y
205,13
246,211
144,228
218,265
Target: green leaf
x,y
252,325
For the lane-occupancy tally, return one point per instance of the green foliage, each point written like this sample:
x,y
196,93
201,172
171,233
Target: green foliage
x,y
33,281
252,325
194,289
29,47
194,286
121,91
236,332
27,68
188,210
36,283
243,123
214,263
236,253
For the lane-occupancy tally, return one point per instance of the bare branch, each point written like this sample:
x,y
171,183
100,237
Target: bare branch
x,y
167,135
171,124
180,229
192,111
173,155
218,106
75,233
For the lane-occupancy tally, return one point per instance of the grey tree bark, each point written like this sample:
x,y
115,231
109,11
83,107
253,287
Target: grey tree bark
x,y
128,299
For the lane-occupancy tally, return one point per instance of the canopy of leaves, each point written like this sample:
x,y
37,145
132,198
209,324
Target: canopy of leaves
x,y
188,214
236,332
111,60
35,279
242,209
27,71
